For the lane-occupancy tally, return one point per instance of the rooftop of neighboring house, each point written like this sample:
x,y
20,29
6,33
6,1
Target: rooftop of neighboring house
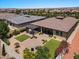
x,y
19,19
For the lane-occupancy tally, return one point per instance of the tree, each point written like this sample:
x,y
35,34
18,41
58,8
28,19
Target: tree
x,y
42,53
18,11
55,14
3,50
28,55
4,29
63,48
77,15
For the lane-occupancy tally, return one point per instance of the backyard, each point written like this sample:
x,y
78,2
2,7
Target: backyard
x,y
52,45
23,37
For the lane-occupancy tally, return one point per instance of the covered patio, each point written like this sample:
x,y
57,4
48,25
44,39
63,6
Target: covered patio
x,y
60,27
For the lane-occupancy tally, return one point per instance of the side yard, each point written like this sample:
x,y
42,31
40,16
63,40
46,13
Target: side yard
x,y
52,45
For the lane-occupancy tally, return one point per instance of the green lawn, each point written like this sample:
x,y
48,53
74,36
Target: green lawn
x,y
52,45
22,37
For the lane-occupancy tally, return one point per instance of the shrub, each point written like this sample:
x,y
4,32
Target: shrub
x,y
42,53
16,32
17,45
44,41
55,37
16,50
6,41
27,54
50,35
12,58
9,35
40,33
22,30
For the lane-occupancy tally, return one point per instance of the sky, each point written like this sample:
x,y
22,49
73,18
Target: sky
x,y
38,3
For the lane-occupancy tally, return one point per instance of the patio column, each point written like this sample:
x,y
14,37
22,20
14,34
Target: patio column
x,y
59,33
54,32
41,30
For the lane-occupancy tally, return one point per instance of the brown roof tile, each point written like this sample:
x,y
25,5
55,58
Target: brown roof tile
x,y
62,25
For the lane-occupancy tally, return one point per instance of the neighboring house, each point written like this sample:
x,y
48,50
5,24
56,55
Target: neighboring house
x,y
19,20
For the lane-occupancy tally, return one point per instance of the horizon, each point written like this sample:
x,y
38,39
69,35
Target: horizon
x,y
42,8
25,4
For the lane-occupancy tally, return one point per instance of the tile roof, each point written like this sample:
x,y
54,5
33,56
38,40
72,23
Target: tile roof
x,y
19,19
62,25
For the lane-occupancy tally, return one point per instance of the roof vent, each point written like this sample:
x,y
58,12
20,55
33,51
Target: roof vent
x,y
60,17
27,16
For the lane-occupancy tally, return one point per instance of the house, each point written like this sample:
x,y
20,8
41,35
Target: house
x,y
57,26
19,20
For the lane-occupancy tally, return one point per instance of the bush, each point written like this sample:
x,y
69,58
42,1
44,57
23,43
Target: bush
x,y
22,30
50,35
42,53
27,54
44,41
17,45
16,32
6,41
9,35
11,58
16,50
40,33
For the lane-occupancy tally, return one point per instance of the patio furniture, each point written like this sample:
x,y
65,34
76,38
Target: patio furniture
x,y
32,49
34,37
44,41
17,45
40,33
17,50
50,35
55,37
